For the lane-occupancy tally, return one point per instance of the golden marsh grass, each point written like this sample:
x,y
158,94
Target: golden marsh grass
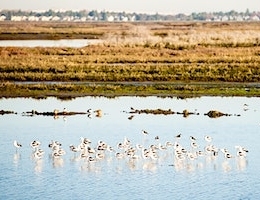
x,y
163,52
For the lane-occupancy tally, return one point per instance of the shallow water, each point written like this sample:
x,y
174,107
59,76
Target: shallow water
x,y
75,43
71,177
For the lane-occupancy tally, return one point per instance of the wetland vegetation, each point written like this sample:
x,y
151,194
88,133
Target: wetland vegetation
x,y
159,58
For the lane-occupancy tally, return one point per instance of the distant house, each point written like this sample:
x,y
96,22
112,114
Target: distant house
x,y
239,18
2,18
124,18
133,18
225,18
254,18
67,18
110,18
16,18
33,18
45,18
55,18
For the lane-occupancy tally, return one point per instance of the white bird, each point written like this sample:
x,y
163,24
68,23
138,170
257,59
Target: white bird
x,y
208,138
144,132
178,136
35,144
119,155
89,110
241,151
65,111
194,145
193,139
245,107
85,141
17,145
38,153
74,148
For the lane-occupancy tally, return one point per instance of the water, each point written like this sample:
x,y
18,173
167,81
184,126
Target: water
x,y
70,177
75,43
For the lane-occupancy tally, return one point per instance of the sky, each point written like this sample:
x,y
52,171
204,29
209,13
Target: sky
x,y
138,6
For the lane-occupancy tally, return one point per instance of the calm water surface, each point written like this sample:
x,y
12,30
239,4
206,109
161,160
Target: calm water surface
x,y
76,43
22,176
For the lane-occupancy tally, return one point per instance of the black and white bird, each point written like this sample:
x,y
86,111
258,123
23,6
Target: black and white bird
x,y
144,132
17,145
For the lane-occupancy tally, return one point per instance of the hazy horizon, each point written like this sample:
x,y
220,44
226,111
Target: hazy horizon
x,y
138,6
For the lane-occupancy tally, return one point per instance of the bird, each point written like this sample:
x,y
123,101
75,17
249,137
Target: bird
x,y
119,155
192,138
194,145
178,136
17,145
245,107
131,117
38,153
89,110
144,132
74,148
208,138
55,112
85,141
65,111
35,144
98,112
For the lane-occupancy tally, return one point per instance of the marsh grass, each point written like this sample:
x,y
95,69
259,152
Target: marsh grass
x,y
135,52
70,90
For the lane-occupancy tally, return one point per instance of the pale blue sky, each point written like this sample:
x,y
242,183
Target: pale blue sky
x,y
139,6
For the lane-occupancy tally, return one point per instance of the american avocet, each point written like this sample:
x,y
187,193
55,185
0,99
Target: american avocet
x,y
238,147
17,145
241,151
74,148
193,139
126,142
54,145
144,132
194,145
245,107
119,155
226,153
38,153
208,138
110,149
178,136
85,140
35,144
191,156
120,145
100,156
89,110
91,150
65,111
168,144
91,159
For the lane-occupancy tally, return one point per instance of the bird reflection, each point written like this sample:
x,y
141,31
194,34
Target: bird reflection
x,y
38,165
16,158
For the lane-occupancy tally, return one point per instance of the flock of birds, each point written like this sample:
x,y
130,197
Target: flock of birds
x,y
125,149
